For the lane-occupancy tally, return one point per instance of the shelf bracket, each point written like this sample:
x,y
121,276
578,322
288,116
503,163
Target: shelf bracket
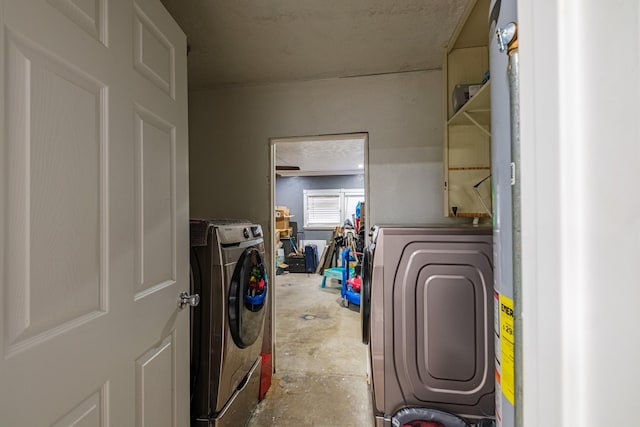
x,y
475,122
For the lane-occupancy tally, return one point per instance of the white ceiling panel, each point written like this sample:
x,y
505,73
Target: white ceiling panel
x,y
257,41
322,156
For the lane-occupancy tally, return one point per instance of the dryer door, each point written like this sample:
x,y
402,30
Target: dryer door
x,y
443,324
365,293
247,298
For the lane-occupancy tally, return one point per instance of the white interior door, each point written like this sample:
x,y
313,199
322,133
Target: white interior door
x,y
93,214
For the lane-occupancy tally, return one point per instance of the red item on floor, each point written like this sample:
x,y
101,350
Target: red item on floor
x,y
355,283
266,370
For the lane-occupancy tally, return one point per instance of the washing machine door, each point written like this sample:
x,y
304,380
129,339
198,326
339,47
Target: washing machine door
x,y
365,293
247,298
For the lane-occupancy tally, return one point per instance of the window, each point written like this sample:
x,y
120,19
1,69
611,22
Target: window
x,y
330,208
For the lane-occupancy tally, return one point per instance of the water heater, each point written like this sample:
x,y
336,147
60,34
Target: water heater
x,y
502,12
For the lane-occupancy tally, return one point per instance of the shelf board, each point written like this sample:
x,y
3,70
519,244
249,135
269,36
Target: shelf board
x,y
471,168
470,215
476,111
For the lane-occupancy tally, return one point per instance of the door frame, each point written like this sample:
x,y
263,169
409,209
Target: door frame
x,y
270,340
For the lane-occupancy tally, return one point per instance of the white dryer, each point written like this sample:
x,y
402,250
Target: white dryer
x,y
427,315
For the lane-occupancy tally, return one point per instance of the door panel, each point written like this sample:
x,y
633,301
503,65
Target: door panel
x,y
154,53
155,201
93,215
55,157
159,112
155,381
91,412
90,15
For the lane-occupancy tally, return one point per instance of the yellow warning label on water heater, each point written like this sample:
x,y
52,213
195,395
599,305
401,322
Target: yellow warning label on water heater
x,y
507,346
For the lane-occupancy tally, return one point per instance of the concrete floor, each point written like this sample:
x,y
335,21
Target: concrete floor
x,y
321,363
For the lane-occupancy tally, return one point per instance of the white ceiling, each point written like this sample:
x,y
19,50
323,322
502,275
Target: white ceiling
x,y
257,41
338,155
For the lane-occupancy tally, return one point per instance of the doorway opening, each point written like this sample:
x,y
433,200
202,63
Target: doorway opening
x,y
319,191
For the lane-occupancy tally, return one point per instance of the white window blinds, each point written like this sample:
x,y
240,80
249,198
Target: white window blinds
x,y
329,208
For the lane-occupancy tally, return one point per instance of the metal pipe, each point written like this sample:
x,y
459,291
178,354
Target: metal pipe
x,y
514,98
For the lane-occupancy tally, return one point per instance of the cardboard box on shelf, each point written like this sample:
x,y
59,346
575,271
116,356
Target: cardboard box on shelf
x,y
282,217
285,232
282,211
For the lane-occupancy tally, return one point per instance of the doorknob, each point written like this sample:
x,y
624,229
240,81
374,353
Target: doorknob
x,y
186,299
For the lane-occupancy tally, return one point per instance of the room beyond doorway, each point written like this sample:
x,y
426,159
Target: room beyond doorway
x,y
322,182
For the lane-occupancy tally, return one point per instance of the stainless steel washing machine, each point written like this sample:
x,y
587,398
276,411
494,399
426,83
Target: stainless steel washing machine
x,y
227,327
427,315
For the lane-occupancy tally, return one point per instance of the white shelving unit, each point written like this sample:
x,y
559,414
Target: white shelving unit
x,y
467,132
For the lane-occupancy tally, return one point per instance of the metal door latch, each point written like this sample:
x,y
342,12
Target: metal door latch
x,y
186,299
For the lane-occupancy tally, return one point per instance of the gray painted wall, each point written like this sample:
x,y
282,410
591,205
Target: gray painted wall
x,y
289,192
230,129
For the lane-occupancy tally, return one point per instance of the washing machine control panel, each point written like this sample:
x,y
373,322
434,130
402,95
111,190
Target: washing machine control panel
x,y
236,233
